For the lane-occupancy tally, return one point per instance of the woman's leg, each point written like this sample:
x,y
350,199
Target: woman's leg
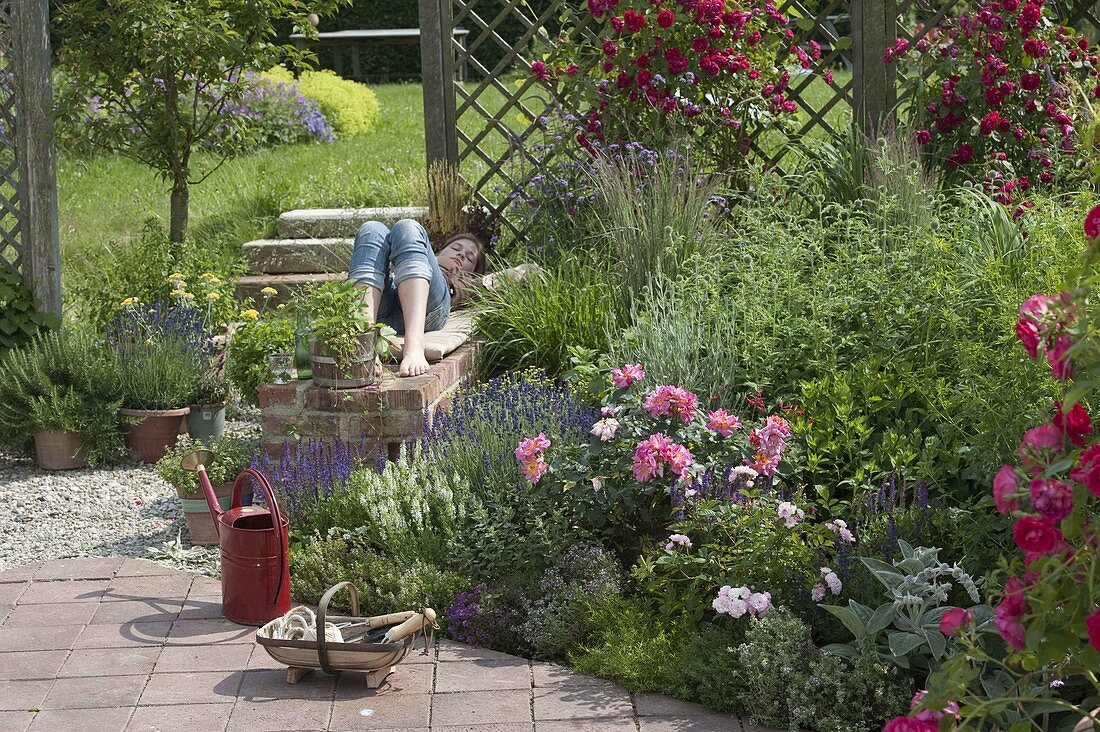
x,y
369,269
421,289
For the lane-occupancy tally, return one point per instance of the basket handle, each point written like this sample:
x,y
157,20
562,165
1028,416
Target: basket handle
x,y
322,611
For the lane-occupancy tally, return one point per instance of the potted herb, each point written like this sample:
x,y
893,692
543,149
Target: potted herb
x,y
62,389
231,456
159,377
345,341
206,418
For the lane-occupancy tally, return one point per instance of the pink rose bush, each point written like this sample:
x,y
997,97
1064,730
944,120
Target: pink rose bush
x,y
994,93
705,69
1047,614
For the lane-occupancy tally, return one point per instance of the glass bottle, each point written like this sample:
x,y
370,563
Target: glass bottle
x,y
302,363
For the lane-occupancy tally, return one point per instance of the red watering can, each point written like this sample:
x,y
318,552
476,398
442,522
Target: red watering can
x,y
254,548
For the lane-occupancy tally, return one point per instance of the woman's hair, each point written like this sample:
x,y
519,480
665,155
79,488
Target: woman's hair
x,y
480,265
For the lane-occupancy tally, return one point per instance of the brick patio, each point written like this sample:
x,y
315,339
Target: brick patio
x,y
125,644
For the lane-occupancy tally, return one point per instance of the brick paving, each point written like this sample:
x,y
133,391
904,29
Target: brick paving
x,y
124,644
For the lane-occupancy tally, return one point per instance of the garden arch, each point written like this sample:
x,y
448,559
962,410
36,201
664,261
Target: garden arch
x,y
467,127
28,180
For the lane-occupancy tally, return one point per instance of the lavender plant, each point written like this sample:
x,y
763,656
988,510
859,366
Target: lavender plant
x,y
276,112
310,470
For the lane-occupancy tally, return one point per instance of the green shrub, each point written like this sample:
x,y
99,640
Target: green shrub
x,y
840,695
774,656
350,107
231,456
62,380
559,616
162,373
385,584
246,364
532,324
20,315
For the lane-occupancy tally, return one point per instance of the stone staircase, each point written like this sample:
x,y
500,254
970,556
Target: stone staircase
x,y
312,246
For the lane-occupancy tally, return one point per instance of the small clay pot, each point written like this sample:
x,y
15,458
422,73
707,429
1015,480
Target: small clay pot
x,y
200,525
360,371
156,431
58,450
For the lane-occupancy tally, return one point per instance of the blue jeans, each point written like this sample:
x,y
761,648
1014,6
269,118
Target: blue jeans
x,y
384,259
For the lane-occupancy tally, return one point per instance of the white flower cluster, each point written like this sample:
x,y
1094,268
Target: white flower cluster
x,y
790,514
840,528
829,582
736,601
676,540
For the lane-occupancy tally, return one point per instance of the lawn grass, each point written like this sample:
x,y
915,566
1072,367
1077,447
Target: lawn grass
x,y
105,200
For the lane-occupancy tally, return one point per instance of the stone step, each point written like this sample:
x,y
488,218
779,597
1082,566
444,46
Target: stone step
x,y
298,256
285,285
324,223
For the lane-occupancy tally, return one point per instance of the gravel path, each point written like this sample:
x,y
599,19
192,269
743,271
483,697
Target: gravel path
x,y
120,510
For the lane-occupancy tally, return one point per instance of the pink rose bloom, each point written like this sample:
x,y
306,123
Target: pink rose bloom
x,y
760,603
629,374
1092,225
905,724
1037,307
1004,485
671,401
532,447
722,422
817,594
679,458
1060,364
955,619
1052,498
1092,625
1028,333
645,465
1075,424
1089,470
533,469
1010,628
1039,441
1037,535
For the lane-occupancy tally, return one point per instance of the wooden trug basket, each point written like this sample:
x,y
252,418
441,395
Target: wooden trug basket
x,y
358,652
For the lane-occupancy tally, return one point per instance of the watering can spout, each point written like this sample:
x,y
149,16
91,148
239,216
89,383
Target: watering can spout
x,y
196,462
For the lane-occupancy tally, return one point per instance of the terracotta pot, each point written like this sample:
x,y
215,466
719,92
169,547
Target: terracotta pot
x,y
156,431
360,372
58,450
197,514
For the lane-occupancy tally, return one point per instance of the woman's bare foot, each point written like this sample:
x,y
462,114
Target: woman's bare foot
x,y
414,363
378,367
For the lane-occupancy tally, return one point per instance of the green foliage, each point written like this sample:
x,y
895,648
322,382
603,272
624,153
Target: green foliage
x,y
532,324
904,630
385,585
62,380
160,373
231,456
164,72
412,510
349,106
143,269
246,364
841,695
734,543
338,317
20,316
775,654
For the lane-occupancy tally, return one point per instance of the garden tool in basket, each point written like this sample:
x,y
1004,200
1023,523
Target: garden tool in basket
x,y
349,642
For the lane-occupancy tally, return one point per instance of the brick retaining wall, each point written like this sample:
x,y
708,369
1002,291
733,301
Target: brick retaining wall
x,y
390,414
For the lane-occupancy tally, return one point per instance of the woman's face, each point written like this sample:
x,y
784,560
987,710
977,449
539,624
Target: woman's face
x,y
463,252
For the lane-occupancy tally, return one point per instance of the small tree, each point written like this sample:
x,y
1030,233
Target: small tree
x,y
156,78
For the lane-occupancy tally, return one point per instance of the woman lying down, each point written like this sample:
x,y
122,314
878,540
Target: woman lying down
x,y
410,288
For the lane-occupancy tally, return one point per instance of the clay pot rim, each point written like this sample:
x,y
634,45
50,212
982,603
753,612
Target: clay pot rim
x,y
56,432
227,487
179,412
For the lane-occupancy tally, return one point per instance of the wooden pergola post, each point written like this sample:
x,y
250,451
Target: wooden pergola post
x,y
437,76
34,151
874,29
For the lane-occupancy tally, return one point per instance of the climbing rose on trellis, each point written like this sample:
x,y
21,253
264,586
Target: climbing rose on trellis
x,y
707,69
993,94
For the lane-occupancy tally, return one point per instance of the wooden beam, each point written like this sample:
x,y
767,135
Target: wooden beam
x,y
874,29
437,75
35,150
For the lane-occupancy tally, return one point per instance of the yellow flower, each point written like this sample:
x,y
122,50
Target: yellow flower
x,y
212,296
269,292
209,277
188,296
175,276
179,292
280,306
250,314
130,301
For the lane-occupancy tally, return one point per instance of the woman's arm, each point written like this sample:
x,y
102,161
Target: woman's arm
x,y
492,281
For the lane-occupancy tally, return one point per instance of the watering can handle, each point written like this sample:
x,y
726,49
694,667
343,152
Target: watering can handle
x,y
276,516
211,499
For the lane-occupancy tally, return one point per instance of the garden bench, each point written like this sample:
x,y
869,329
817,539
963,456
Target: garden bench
x,y
352,41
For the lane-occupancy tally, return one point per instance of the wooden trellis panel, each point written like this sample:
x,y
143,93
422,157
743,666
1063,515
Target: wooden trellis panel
x,y
28,187
489,125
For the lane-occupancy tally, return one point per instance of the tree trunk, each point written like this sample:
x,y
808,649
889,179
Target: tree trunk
x,y
178,226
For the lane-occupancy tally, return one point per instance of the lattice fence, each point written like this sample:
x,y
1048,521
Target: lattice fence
x,y
490,128
11,243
